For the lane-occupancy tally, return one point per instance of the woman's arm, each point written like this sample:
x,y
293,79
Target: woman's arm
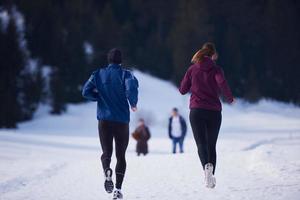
x,y
186,82
223,85
136,134
148,133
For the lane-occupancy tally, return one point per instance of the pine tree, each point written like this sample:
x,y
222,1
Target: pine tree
x,y
57,101
12,61
21,82
191,29
282,56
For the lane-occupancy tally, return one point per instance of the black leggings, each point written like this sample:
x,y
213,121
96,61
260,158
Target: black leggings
x,y
206,125
108,131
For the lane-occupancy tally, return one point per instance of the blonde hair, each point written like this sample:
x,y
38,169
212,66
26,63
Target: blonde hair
x,y
208,49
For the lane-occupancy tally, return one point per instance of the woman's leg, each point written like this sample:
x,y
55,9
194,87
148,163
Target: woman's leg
x,y
199,131
213,127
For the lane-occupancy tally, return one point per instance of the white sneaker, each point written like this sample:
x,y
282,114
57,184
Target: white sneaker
x,y
210,180
117,194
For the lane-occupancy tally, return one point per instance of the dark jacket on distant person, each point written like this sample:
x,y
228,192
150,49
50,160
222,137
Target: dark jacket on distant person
x,y
141,135
206,81
182,125
112,87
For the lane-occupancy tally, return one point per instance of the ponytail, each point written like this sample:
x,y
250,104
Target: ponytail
x,y
208,49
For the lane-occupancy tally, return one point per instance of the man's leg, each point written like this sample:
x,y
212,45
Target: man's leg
x,y
174,145
121,135
181,145
106,141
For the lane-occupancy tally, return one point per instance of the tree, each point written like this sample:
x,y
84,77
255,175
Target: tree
x,y
191,30
21,82
12,61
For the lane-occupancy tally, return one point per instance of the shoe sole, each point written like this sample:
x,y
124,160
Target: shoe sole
x,y
108,183
116,198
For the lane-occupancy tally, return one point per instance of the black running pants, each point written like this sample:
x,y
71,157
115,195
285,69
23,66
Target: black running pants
x,y
206,125
119,132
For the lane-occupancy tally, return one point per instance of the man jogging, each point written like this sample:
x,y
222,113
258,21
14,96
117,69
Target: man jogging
x,y
114,89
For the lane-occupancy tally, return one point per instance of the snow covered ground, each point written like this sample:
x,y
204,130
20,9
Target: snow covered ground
x,y
58,157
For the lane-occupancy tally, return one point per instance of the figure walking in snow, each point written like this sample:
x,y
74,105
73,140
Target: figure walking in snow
x,y
113,87
205,80
177,130
141,135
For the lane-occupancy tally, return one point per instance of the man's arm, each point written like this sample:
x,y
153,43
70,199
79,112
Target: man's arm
x,y
131,85
89,90
184,127
170,128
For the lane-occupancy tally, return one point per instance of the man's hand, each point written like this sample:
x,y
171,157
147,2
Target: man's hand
x,y
134,109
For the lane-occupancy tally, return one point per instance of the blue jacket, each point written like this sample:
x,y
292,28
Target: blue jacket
x,y
112,87
182,124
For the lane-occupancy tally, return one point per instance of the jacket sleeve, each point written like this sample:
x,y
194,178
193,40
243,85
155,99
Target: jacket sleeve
x,y
89,90
186,82
148,133
183,126
136,134
131,86
223,85
170,128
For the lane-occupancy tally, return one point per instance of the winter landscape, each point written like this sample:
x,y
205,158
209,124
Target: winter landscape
x,y
58,157
49,143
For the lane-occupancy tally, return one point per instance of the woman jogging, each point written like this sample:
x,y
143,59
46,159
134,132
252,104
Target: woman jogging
x,y
205,80
113,88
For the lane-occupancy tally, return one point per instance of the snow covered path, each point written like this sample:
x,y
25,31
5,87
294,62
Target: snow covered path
x,y
64,168
58,157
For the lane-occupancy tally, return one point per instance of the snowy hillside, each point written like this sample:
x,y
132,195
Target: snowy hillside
x,y
58,157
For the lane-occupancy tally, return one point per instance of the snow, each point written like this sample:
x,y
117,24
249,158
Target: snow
x,y
88,48
58,157
19,21
4,19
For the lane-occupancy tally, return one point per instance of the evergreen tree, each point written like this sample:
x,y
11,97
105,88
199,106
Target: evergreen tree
x,y
57,100
283,52
193,27
258,44
21,82
12,61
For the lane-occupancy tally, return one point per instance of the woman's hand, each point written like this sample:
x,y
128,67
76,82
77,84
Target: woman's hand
x,y
233,101
134,109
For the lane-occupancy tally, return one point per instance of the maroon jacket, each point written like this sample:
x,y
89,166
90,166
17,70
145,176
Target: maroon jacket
x,y
206,81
